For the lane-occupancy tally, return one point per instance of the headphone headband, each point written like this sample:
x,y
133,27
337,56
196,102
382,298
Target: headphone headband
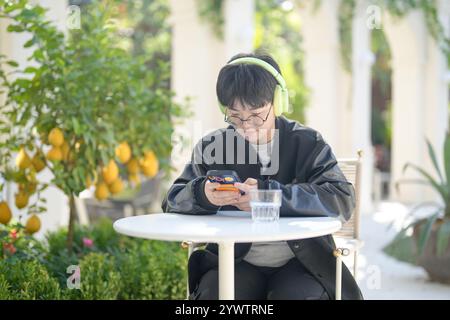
x,y
263,64
281,95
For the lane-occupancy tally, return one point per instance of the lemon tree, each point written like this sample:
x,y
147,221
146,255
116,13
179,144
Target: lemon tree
x,y
85,108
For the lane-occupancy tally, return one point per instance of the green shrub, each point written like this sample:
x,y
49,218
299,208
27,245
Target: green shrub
x,y
57,264
27,279
59,258
102,234
112,267
5,293
99,278
153,270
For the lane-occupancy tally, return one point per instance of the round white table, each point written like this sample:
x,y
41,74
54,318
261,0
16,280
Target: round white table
x,y
224,228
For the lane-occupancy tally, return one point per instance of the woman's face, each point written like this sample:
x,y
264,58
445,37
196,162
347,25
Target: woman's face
x,y
247,129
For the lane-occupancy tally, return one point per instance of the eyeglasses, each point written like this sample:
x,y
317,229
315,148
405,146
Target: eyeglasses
x,y
254,120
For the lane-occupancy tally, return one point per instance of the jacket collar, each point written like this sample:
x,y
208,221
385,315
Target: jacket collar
x,y
249,169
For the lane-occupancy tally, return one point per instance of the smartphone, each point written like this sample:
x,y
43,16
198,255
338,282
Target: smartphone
x,y
226,178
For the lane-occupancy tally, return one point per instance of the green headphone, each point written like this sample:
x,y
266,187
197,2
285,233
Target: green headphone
x,y
281,95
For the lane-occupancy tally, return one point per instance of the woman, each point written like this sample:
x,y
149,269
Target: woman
x,y
267,151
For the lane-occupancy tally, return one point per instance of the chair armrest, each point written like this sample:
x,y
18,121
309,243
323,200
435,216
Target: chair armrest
x,y
351,245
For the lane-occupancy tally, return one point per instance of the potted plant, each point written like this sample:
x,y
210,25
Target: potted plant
x,y
425,242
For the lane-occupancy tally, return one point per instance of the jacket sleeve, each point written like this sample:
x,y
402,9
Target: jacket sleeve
x,y
326,191
187,193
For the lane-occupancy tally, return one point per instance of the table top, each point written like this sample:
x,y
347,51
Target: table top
x,y
225,226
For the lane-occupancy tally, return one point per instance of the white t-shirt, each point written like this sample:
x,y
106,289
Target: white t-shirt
x,y
268,254
264,152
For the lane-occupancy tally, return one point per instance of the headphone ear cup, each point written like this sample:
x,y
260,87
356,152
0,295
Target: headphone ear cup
x,y
278,100
286,106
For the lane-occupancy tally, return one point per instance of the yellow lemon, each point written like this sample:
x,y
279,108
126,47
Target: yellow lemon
x,y
123,152
55,154
65,151
23,161
150,170
149,155
33,224
133,166
5,213
56,137
21,199
110,172
149,164
38,161
101,191
116,186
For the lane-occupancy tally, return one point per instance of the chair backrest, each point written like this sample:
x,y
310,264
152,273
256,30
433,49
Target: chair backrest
x,y
351,168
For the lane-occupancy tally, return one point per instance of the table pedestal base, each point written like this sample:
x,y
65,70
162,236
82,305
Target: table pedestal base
x,y
226,271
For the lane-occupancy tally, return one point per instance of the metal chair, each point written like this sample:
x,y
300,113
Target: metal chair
x,y
347,239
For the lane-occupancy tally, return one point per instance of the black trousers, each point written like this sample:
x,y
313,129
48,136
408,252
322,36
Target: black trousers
x,y
288,282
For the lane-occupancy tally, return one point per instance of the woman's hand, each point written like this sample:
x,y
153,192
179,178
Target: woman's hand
x,y
244,200
220,198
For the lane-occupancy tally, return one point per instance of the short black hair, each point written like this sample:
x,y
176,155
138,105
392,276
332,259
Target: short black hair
x,y
250,84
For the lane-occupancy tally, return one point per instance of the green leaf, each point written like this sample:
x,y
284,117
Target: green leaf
x,y
425,233
12,63
29,43
14,28
442,238
38,55
432,155
30,70
447,162
76,126
441,189
16,6
402,248
104,158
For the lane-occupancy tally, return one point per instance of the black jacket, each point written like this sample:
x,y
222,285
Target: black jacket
x,y
311,182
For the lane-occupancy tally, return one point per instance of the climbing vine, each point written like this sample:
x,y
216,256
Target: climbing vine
x,y
345,17
212,11
399,9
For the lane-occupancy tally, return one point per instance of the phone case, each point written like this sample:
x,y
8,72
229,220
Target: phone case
x,y
226,178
